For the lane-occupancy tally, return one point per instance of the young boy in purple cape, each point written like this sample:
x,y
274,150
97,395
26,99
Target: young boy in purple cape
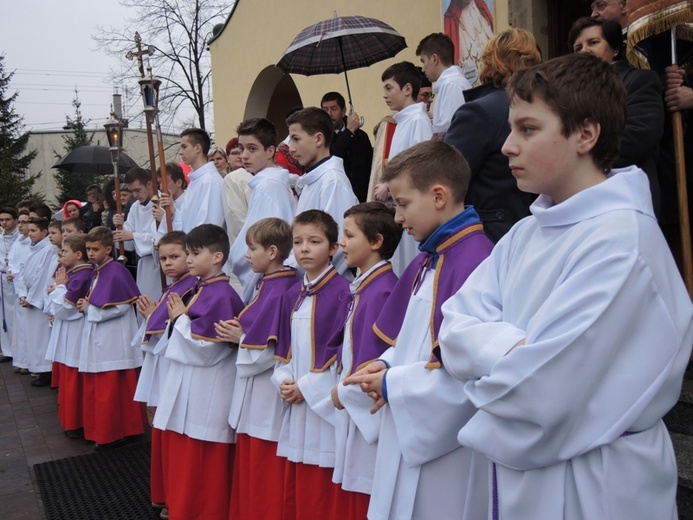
x,y
72,281
196,396
107,361
420,470
256,407
312,326
370,238
152,341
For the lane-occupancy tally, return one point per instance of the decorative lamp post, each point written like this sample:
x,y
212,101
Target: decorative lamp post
x,y
114,132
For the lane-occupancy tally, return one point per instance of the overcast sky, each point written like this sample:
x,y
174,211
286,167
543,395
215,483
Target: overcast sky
x,y
49,45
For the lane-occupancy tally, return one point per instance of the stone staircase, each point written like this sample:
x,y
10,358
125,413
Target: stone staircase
x,y
680,423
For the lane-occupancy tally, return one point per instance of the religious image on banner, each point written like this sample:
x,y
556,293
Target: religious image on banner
x,y
469,23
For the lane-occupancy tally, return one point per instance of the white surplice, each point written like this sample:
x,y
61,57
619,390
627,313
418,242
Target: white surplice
x,y
449,91
32,282
327,187
235,198
16,258
140,222
202,203
421,472
67,331
271,197
572,418
8,299
198,388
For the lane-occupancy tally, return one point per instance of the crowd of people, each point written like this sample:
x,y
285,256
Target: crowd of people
x,y
477,317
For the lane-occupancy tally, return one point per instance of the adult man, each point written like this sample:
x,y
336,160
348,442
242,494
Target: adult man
x,y
615,10
349,142
91,211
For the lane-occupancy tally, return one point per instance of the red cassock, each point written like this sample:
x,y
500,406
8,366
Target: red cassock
x,y
70,397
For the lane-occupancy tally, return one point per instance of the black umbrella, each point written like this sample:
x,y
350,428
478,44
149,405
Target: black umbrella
x,y
339,44
94,159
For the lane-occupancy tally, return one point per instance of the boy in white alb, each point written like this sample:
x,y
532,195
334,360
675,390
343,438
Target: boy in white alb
x,y
271,194
176,184
256,409
370,238
8,236
401,83
437,53
202,202
573,370
325,185
15,262
421,472
137,232
194,403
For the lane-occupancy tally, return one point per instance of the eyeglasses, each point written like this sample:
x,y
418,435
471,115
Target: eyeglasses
x,y
427,95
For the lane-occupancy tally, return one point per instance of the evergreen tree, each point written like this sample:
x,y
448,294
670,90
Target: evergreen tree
x,y
74,185
15,184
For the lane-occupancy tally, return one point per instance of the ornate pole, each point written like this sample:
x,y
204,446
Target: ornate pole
x,y
114,131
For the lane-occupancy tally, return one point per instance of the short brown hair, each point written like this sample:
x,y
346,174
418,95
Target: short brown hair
x,y
402,73
56,224
75,222
313,120
39,222
138,174
197,136
376,218
578,87
271,232
175,171
77,243
432,162
611,32
101,234
506,53
261,129
209,236
439,44
320,219
172,237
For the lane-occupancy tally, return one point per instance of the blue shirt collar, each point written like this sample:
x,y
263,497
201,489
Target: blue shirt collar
x,y
468,216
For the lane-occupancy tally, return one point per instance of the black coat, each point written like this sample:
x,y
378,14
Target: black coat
x,y
356,151
478,130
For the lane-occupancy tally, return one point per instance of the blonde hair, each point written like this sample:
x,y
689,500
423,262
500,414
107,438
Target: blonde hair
x,y
506,53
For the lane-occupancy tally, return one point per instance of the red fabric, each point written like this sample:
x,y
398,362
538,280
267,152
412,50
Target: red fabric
x,y
198,480
70,398
156,467
355,504
311,493
256,470
56,368
110,414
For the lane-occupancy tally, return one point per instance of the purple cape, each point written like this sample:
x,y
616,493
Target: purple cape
x,y
330,299
78,282
458,256
369,299
214,301
260,319
113,285
156,323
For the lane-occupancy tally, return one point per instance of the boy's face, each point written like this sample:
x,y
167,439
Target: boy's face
x,y
255,157
97,252
7,222
396,97
355,246
69,258
542,160
36,234
69,229
55,235
203,263
312,249
415,210
142,192
174,260
259,258
335,112
188,151
23,224
428,65
304,147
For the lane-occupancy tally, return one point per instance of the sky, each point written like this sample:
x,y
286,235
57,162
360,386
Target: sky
x,y
49,46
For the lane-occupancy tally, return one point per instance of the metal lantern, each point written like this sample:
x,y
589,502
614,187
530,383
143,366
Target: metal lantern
x,y
149,86
114,132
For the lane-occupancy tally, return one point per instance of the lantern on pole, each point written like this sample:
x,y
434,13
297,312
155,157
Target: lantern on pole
x,y
114,132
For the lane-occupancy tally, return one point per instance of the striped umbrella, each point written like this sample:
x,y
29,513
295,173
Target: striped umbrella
x,y
340,44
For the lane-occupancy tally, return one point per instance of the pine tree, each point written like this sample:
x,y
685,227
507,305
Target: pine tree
x,y
74,185
16,185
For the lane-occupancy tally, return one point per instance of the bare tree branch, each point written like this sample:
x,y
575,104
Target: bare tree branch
x,y
178,31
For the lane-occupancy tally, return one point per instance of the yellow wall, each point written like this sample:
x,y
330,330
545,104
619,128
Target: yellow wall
x,y
260,31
